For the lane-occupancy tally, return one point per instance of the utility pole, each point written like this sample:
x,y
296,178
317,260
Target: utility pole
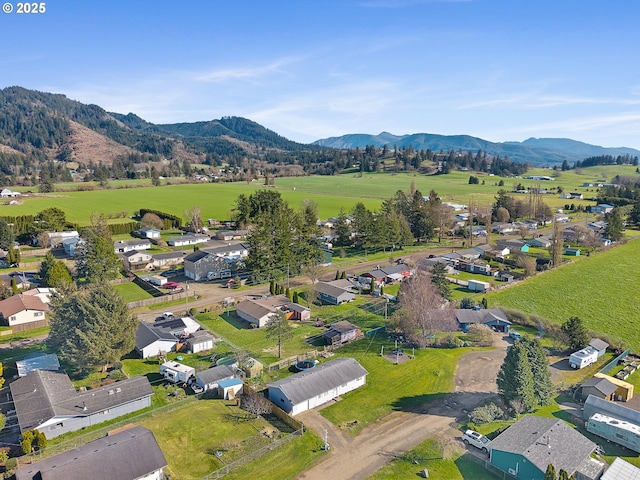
x,y
186,297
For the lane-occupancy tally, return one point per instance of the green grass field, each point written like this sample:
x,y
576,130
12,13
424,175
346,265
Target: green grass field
x,y
331,193
131,292
387,388
600,289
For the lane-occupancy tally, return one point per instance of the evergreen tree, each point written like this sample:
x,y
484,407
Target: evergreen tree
x,y
6,236
295,297
550,474
337,274
614,229
96,260
439,279
91,327
576,332
54,273
272,287
287,293
563,475
543,387
515,379
343,275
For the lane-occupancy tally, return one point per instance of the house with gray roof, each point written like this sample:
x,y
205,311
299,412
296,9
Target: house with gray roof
x,y
151,340
316,386
188,239
525,449
131,454
167,259
204,265
124,246
341,332
48,401
492,317
333,294
232,250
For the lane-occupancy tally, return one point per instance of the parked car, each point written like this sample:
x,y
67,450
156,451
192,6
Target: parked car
x,y
515,335
171,285
168,315
471,437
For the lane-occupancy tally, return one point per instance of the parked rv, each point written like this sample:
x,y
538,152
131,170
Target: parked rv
x,y
583,358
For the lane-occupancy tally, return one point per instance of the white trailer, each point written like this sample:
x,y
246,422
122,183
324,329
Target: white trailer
x,y
583,358
478,286
176,372
158,280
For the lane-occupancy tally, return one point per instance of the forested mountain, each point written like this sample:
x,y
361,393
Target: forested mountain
x,y
535,151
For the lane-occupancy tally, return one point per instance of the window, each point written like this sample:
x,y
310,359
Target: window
x,y
12,318
38,314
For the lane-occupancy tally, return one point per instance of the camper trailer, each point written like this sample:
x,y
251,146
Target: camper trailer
x,y
618,431
176,372
583,358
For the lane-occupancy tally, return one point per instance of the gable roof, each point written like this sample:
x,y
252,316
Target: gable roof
x,y
133,253
168,255
227,248
545,440
465,316
19,303
195,256
342,327
324,377
330,290
215,374
148,333
598,344
601,384
126,455
44,394
595,404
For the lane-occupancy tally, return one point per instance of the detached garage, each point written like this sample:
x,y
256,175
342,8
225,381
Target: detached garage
x,y
310,388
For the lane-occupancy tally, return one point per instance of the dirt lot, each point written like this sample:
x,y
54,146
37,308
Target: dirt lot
x,y
359,457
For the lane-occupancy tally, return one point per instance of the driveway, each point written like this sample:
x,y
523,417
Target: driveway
x,y
355,458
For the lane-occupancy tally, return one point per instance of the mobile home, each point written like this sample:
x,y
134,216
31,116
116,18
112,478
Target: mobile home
x,y
618,431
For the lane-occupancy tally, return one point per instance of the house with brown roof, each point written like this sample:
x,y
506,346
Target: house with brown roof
x,y
258,311
23,312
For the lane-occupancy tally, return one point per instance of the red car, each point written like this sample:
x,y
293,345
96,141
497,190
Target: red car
x,y
171,285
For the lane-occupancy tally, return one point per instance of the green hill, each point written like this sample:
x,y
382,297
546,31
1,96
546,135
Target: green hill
x,y
602,290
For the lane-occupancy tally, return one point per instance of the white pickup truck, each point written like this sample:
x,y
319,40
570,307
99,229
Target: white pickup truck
x,y
477,440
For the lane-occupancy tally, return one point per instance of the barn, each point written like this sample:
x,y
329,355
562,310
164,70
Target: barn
x,y
310,388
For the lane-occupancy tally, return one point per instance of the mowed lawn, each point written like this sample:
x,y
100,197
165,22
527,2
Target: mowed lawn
x,y
602,290
392,387
190,436
130,292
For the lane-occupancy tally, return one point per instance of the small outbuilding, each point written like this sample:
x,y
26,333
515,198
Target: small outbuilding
x,y
210,378
340,333
600,387
572,252
228,389
200,341
600,345
624,392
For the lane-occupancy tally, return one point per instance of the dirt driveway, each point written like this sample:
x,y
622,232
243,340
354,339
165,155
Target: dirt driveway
x,y
355,458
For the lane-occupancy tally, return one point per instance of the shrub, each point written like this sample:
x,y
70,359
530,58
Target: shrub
x,y
11,463
486,413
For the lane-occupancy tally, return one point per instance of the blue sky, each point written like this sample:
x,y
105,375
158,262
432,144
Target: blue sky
x,y
496,69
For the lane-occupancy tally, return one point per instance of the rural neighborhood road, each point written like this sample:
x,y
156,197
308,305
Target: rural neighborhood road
x,y
356,458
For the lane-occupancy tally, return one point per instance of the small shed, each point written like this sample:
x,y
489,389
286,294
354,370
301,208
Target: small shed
x,y
600,345
506,277
252,368
600,387
227,389
624,391
200,341
341,332
210,378
478,286
572,252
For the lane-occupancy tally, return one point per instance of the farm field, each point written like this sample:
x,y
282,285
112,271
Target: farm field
x,y
331,193
600,289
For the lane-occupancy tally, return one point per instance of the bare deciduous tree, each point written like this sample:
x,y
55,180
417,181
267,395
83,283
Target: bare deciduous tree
x,y
151,220
255,404
193,218
422,310
313,271
527,263
480,334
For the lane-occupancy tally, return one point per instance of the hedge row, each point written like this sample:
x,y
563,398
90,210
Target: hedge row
x,y
169,220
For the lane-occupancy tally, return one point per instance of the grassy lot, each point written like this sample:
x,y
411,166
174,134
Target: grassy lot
x,y
600,289
254,340
387,388
285,462
457,466
131,292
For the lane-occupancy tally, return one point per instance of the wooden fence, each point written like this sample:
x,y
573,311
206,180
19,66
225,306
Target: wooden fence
x,y
164,298
288,362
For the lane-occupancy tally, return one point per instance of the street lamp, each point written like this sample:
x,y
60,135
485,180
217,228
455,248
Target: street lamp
x,y
186,297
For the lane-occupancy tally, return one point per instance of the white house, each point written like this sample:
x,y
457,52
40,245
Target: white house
x,y
188,239
151,341
124,246
258,311
148,232
6,193
316,386
23,312
56,238
132,454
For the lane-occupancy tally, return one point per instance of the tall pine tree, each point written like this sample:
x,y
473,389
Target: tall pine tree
x,y
515,380
543,387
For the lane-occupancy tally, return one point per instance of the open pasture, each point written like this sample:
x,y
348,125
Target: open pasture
x,y
331,193
600,289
